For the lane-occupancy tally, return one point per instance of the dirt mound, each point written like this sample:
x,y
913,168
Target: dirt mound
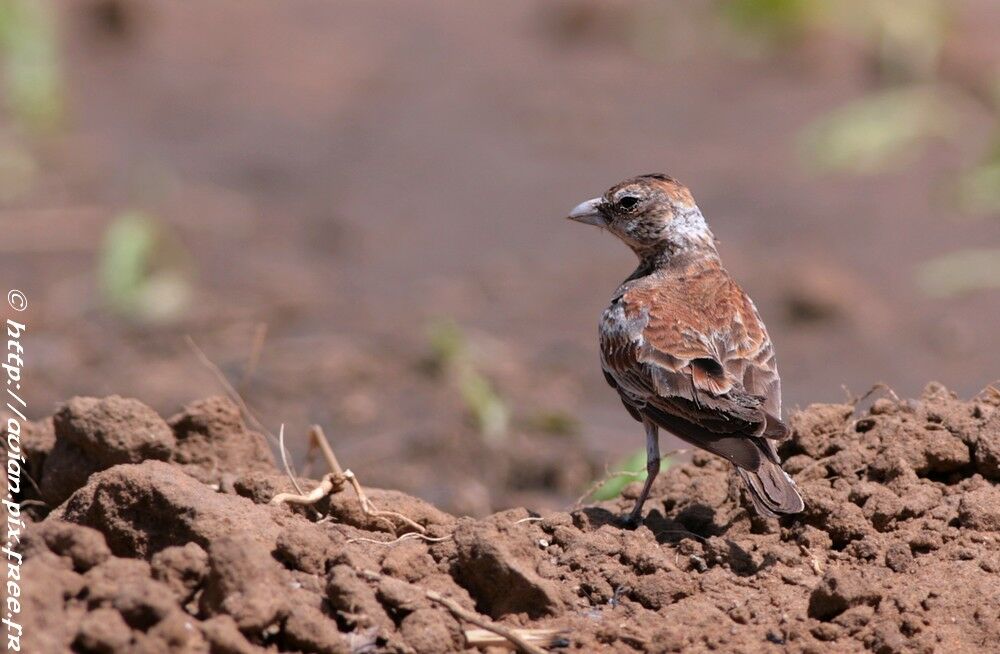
x,y
166,542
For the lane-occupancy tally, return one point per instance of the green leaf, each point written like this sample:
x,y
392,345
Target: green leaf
x,y
486,406
631,469
555,423
450,354
447,344
775,22
875,132
32,73
963,271
143,272
978,190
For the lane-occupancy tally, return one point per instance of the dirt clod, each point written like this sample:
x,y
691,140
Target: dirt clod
x,y
896,551
212,440
146,507
94,434
308,630
224,637
244,582
839,591
980,509
182,568
103,631
499,572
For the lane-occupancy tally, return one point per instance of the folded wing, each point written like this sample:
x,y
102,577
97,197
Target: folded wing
x,y
692,355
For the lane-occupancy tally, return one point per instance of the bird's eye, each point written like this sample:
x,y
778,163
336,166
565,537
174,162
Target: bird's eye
x,y
628,201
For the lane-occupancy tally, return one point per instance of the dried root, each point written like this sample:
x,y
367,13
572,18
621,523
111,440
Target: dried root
x,y
488,638
522,639
334,482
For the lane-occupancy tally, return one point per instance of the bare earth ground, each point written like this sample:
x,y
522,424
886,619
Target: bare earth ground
x,y
161,538
349,172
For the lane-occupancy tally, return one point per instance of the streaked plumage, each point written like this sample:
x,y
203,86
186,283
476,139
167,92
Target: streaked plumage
x,y
684,346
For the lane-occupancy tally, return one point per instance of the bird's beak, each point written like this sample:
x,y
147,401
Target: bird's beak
x,y
588,213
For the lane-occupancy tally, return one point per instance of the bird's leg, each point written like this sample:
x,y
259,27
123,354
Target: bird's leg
x,y
652,469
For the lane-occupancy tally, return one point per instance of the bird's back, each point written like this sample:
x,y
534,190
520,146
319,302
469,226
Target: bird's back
x,y
685,313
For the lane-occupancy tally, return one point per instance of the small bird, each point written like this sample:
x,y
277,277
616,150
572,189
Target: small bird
x,y
684,345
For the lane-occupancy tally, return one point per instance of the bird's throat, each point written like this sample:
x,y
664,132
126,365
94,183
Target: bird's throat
x,y
672,255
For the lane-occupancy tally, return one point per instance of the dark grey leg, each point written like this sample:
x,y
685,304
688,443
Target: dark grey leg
x,y
652,469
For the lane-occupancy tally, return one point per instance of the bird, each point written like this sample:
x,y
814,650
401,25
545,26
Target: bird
x,y
684,345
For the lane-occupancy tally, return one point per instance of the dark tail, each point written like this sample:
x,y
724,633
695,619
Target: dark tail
x,y
754,456
773,492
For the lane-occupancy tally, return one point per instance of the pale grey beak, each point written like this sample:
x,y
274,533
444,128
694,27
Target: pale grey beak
x,y
588,213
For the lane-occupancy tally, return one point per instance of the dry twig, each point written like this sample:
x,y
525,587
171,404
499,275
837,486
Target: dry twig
x,y
244,408
231,392
256,347
991,390
334,482
814,563
528,519
410,535
487,638
880,386
680,532
284,459
318,440
33,484
519,641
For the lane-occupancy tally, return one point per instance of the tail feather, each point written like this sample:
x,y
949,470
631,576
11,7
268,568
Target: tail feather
x,y
772,491
774,429
754,455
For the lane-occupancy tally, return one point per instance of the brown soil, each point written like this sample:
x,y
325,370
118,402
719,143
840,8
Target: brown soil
x,y
411,162
167,543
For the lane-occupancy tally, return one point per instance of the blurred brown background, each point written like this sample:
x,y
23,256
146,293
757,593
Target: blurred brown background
x,y
356,209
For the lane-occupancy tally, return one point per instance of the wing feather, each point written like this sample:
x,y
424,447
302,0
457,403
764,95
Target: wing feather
x,y
691,354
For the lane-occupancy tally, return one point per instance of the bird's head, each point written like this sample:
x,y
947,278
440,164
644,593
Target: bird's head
x,y
649,213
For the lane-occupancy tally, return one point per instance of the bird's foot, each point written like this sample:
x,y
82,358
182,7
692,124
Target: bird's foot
x,y
631,520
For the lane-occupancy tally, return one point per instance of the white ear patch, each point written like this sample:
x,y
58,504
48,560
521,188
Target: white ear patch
x,y
688,225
